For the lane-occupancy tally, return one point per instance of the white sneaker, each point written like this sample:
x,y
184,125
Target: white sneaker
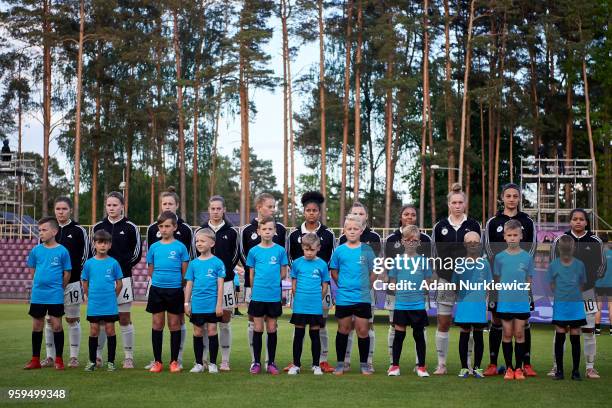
x,y
422,372
148,366
224,366
440,370
393,371
552,371
294,370
371,367
197,368
316,370
212,368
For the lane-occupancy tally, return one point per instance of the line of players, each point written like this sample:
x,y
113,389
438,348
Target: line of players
x,y
232,244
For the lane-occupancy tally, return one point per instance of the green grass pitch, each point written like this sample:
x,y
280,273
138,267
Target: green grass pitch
x,y
139,388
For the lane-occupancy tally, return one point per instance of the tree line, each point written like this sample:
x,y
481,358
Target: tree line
x,y
137,89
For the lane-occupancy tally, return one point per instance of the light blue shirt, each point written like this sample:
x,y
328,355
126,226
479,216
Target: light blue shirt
x,y
49,265
411,298
472,300
167,261
102,275
568,304
267,263
513,268
310,276
204,275
606,281
354,266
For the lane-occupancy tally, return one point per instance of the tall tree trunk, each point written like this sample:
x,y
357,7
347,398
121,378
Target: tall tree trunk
x,y
179,106
482,165
389,142
322,108
468,58
587,108
244,128
196,142
96,147
510,157
345,106
448,102
468,166
283,7
128,168
424,114
158,133
77,135
291,146
357,172
152,197
46,25
502,52
491,205
534,95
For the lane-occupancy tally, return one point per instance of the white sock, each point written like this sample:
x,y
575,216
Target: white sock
x,y
205,343
390,337
590,348
349,347
470,350
441,347
324,344
127,335
101,343
49,342
250,339
182,346
225,341
74,336
372,336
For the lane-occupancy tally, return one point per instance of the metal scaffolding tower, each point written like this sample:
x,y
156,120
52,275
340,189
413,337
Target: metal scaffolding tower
x,y
13,171
553,187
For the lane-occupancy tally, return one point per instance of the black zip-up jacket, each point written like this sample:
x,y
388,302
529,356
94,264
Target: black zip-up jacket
x,y
448,242
367,237
588,249
493,237
393,245
74,238
226,247
249,238
126,246
326,236
183,233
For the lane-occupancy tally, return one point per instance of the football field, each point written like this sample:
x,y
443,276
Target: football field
x,y
139,388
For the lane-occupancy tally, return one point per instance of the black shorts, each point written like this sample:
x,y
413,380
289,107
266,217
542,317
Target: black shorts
x,y
199,319
412,318
302,319
237,288
268,309
362,310
511,316
169,300
468,326
571,323
603,291
40,310
106,318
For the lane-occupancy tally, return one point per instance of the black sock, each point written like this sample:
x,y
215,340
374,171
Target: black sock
x,y
58,338
559,343
315,340
36,343
175,344
421,347
198,349
527,345
112,348
575,340
464,339
341,344
478,347
298,342
398,342
271,343
257,339
364,349
519,351
93,346
495,339
213,347
157,338
507,349
597,326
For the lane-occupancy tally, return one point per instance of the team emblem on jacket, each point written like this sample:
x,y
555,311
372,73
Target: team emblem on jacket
x,y
444,231
500,228
158,235
225,237
397,245
299,240
70,236
121,233
254,236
